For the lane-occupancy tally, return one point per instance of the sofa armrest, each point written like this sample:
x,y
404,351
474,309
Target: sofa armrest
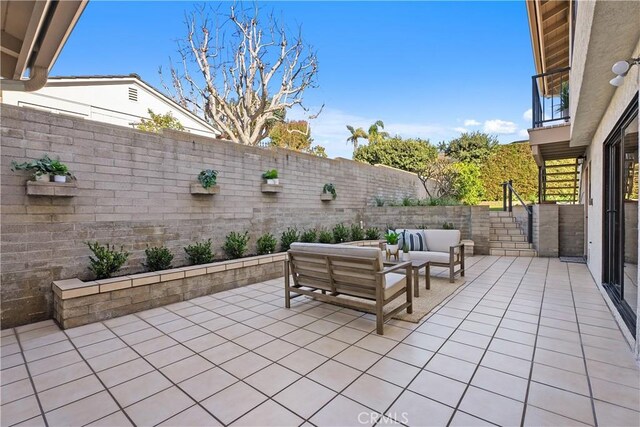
x,y
395,267
452,250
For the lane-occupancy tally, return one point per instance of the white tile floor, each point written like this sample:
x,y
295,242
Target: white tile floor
x,y
527,341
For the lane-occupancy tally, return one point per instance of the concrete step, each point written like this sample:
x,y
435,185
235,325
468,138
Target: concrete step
x,y
505,231
499,213
513,252
507,238
498,244
504,225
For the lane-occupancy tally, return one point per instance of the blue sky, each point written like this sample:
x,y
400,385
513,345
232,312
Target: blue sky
x,y
427,69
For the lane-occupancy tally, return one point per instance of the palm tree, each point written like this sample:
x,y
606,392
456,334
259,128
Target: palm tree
x,y
355,135
374,131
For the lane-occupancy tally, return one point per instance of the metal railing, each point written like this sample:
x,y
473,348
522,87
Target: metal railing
x,y
550,97
507,206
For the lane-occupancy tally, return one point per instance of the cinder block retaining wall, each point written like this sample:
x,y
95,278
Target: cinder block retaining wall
x,y
133,190
558,230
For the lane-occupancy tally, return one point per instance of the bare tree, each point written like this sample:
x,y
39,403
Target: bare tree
x,y
239,74
441,174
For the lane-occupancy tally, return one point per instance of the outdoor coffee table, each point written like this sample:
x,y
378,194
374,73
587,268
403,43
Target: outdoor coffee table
x,y
416,266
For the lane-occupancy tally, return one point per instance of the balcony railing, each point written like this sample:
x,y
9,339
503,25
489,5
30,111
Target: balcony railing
x,y
550,98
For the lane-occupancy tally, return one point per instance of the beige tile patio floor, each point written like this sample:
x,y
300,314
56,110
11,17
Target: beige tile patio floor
x,y
527,341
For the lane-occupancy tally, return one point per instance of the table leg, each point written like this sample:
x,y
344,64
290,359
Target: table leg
x,y
427,276
416,282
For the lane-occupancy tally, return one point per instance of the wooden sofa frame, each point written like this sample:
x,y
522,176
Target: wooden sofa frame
x,y
454,260
319,276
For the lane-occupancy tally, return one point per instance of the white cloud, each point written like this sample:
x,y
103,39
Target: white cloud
x,y
523,133
528,115
461,130
471,122
500,127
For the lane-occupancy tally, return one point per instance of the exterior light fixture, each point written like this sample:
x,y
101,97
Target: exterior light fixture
x,y
621,68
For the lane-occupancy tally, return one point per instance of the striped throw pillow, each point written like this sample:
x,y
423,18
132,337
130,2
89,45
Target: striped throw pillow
x,y
415,240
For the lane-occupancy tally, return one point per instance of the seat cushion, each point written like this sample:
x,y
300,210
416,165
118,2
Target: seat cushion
x,y
441,240
393,283
430,256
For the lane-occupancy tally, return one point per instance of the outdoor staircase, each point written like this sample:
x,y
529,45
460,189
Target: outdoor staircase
x,y
507,238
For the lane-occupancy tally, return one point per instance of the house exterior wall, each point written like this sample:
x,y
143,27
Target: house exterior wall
x,y
106,102
134,191
571,230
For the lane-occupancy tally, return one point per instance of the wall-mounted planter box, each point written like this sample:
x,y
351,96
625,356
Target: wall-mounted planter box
x,y
326,197
197,188
52,189
271,188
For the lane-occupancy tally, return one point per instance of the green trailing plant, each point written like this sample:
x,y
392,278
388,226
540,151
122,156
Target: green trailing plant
x,y
392,237
325,236
208,178
44,165
340,233
289,236
372,233
330,188
266,244
200,252
309,236
158,258
235,244
564,98
448,226
357,233
270,174
379,201
106,260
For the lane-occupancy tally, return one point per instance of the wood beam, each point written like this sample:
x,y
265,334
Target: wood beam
x,y
561,7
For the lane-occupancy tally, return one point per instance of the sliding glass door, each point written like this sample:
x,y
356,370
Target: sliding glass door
x,y
620,244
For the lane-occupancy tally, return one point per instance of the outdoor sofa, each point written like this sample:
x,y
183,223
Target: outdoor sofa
x,y
441,248
330,272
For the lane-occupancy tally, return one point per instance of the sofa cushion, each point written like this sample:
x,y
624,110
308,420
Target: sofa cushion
x,y
430,256
393,283
441,240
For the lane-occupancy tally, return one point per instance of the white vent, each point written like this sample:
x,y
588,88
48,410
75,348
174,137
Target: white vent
x,y
133,94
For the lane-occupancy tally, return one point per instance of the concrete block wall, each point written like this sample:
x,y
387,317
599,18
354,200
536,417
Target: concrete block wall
x,y
133,190
545,229
571,230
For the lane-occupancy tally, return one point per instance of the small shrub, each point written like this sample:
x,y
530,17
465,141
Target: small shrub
x,y
309,236
266,244
379,201
372,233
235,244
325,236
448,226
106,260
288,237
357,233
330,188
208,178
340,233
408,201
158,258
270,174
199,252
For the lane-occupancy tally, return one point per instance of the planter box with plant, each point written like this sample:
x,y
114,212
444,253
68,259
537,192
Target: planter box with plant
x,y
271,182
43,170
207,180
328,193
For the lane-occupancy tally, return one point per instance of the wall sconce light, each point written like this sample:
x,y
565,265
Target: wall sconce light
x,y
581,159
621,68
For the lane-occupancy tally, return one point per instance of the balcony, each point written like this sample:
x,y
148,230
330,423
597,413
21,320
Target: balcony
x,y
550,98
